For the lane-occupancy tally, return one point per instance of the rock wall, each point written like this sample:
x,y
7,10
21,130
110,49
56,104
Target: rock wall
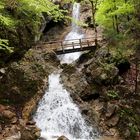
x,y
98,85
21,86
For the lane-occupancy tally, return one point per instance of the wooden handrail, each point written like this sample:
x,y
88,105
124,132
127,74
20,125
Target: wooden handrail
x,y
70,40
73,45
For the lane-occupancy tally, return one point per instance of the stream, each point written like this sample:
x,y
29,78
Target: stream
x,y
57,114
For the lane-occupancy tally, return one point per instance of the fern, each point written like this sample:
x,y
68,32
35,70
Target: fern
x,y
23,16
6,21
4,46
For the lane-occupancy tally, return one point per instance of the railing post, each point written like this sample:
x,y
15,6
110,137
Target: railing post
x,y
73,45
62,47
80,42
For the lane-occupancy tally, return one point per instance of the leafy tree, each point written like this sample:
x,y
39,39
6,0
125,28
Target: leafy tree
x,y
94,7
20,21
111,12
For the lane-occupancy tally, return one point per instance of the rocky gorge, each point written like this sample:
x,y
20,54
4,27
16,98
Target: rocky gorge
x,y
24,84
98,83
95,84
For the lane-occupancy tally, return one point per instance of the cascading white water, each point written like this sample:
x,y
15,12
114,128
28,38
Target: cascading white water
x,y
57,115
76,17
74,34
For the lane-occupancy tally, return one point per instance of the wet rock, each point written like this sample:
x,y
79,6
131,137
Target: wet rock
x,y
91,96
2,71
68,68
3,107
113,121
101,74
89,114
127,133
29,132
113,132
24,82
21,131
85,12
22,123
75,82
110,110
62,138
14,120
0,129
25,78
31,123
110,138
11,133
13,137
41,138
8,114
84,58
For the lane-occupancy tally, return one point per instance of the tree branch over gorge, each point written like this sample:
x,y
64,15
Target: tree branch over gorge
x,y
20,22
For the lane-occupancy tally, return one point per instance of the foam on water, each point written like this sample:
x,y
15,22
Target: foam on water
x,y
57,115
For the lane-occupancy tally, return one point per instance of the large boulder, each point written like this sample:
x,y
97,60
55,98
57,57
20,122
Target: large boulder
x,y
102,74
81,92
22,131
75,82
62,138
25,78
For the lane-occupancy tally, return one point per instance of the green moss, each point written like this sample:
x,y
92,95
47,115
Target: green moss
x,y
68,68
6,101
131,120
112,94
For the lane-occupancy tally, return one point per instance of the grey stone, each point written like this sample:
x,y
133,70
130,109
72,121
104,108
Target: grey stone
x,y
110,110
62,138
113,121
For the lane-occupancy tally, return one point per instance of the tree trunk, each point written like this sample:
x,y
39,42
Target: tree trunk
x,y
93,19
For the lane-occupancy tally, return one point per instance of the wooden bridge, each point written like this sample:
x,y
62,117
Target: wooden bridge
x,y
69,46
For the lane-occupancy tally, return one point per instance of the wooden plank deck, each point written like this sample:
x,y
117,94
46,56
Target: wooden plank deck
x,y
70,46
71,50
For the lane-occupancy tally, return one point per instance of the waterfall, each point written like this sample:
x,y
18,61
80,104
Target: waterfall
x,y
56,114
75,16
74,34
75,31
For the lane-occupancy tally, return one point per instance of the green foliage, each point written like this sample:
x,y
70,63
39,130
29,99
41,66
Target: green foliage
x,y
20,23
37,7
107,9
4,46
6,21
112,94
133,129
129,115
121,53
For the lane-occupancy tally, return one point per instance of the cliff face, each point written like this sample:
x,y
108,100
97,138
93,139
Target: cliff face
x,y
101,83
24,78
21,86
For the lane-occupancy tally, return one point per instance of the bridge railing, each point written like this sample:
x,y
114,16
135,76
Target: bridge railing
x,y
73,43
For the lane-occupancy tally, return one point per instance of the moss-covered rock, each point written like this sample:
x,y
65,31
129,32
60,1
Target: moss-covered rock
x,y
25,78
102,73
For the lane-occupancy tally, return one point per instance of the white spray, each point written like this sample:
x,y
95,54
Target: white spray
x,y
57,115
